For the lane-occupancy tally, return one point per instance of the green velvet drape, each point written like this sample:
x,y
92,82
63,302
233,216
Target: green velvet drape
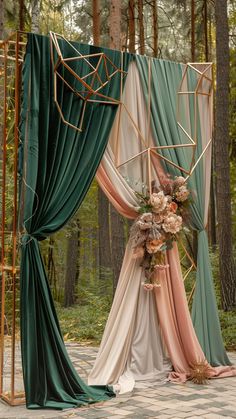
x,y
166,77
57,168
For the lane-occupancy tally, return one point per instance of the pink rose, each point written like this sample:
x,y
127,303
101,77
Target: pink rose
x,y
148,287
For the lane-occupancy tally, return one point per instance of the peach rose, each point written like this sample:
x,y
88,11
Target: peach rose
x,y
154,246
173,207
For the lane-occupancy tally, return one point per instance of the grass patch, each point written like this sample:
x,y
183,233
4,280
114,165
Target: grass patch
x,y
85,323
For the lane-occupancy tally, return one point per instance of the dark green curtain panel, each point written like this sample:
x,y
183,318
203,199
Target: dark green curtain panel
x,y
165,81
57,166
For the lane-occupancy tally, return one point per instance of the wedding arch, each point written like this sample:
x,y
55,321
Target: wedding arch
x,y
88,110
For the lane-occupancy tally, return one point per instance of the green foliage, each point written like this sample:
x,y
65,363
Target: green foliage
x,y
228,327
85,322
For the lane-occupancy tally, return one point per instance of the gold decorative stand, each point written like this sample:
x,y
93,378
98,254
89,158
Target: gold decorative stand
x,y
11,58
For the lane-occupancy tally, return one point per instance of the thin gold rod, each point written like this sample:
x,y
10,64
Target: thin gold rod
x,y
173,164
199,158
186,133
12,58
2,43
98,54
192,292
188,272
187,253
198,71
117,149
173,146
143,140
186,93
132,158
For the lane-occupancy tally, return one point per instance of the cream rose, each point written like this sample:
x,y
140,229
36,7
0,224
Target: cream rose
x,y
158,201
172,223
182,194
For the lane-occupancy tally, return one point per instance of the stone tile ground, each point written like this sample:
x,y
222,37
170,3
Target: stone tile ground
x,y
215,400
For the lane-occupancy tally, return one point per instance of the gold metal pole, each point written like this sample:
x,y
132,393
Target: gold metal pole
x,y
17,75
3,217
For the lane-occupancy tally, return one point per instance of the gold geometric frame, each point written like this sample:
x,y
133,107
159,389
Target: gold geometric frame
x,y
86,95
89,91
12,269
201,70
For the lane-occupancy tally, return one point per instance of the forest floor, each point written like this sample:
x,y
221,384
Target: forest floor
x,y
214,400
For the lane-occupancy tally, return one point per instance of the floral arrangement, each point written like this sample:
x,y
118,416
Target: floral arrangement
x,y
161,218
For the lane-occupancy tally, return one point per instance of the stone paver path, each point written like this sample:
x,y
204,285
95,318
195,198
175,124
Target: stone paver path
x,y
215,400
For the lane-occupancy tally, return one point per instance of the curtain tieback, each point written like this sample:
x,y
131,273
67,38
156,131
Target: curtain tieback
x,y
26,238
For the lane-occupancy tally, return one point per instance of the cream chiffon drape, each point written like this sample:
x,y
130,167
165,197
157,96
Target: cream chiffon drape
x,y
132,347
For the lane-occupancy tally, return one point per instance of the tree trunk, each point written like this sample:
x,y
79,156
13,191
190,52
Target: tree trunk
x,y
193,30
115,24
21,15
131,26
1,19
155,29
104,247
96,22
117,244
227,265
117,225
141,27
206,31
35,16
72,269
212,212
104,236
212,223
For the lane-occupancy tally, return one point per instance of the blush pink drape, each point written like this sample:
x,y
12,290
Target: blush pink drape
x,y
179,336
171,304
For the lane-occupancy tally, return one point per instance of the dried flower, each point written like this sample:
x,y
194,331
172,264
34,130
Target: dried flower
x,y
158,201
200,372
148,287
154,231
179,181
154,246
145,221
167,185
161,267
172,223
138,252
159,217
182,194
